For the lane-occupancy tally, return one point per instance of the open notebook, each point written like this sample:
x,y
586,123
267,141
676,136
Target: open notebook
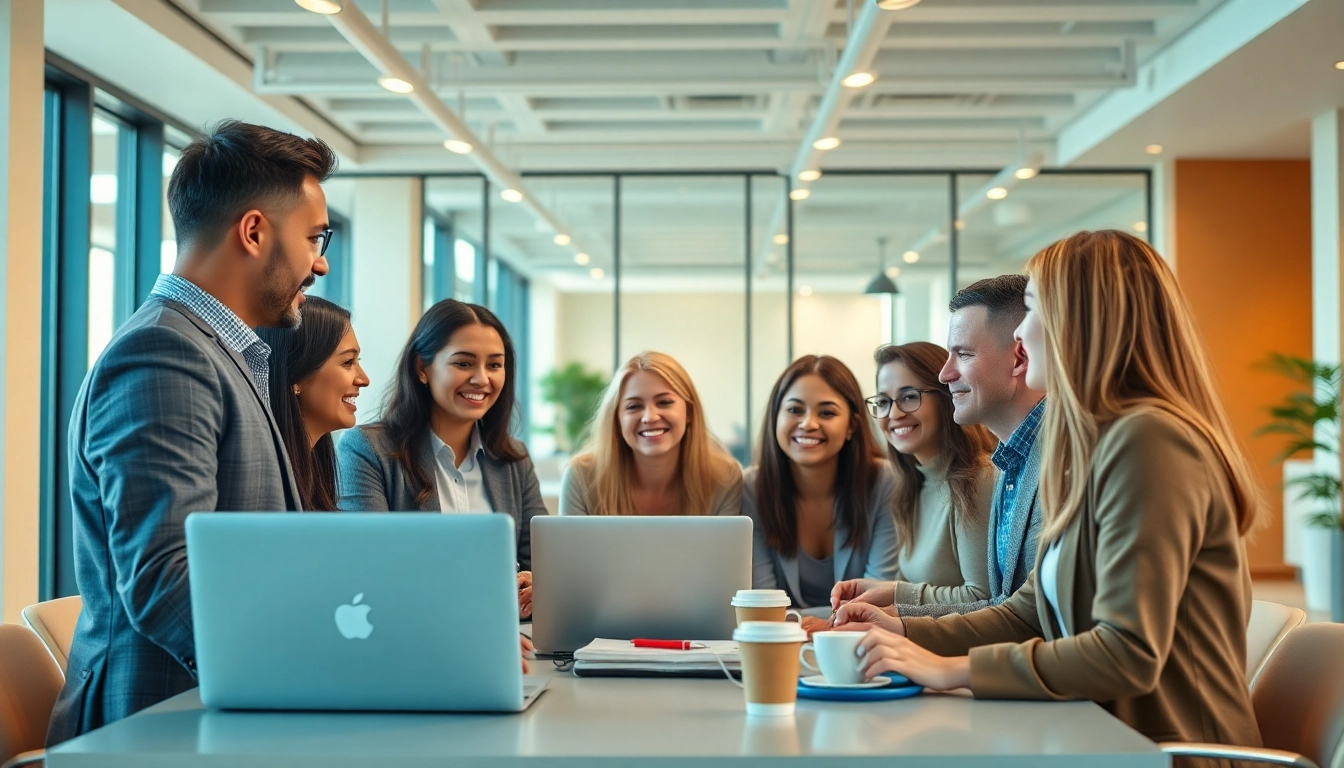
x,y
619,658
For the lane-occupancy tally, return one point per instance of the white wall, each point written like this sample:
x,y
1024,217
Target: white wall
x,y
385,295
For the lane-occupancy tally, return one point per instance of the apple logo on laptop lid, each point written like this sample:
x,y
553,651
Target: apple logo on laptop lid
x,y
353,620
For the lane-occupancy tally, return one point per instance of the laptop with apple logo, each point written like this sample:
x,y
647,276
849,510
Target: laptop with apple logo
x,y
357,611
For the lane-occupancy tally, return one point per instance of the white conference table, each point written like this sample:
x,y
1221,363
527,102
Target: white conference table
x,y
642,722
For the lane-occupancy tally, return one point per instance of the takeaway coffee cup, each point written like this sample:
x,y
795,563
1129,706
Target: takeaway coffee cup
x,y
836,656
763,605
770,665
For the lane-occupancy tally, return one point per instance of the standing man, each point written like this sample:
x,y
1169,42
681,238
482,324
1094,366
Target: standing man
x,y
986,371
173,417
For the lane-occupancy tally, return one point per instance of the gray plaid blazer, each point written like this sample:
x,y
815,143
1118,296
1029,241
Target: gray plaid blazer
x,y
168,422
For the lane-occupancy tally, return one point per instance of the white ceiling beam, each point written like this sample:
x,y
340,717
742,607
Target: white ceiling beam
x,y
370,42
1040,10
1229,27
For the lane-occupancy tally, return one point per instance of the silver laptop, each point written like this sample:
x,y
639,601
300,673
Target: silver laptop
x,y
669,578
352,611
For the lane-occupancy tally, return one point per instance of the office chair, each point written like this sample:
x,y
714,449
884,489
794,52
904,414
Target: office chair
x,y
54,623
29,684
1299,705
1269,624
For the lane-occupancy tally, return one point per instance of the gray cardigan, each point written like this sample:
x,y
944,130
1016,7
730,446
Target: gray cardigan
x,y
576,493
876,560
1027,518
370,480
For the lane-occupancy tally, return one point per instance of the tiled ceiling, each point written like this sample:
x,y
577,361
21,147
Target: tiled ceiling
x,y
549,75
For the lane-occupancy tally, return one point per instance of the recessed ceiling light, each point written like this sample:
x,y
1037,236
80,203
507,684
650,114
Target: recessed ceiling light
x,y
827,143
1339,65
596,273
1025,172
809,175
563,239
896,5
893,272
997,193
459,147
396,84
859,80
1140,226
581,259
324,7
910,257
780,239
800,194
1153,149
512,195
806,290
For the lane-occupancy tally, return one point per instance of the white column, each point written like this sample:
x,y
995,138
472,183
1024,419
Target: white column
x,y
1327,251
387,225
21,78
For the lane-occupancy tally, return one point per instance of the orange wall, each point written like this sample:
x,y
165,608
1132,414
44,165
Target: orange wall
x,y
1243,258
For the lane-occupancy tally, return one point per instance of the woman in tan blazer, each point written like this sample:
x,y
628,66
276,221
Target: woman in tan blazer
x,y
1141,592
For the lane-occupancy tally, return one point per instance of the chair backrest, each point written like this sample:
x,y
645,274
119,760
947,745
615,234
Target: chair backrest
x,y
1269,624
29,684
1299,697
54,623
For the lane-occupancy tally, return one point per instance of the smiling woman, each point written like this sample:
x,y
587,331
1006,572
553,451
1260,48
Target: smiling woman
x,y
820,494
315,377
650,452
443,444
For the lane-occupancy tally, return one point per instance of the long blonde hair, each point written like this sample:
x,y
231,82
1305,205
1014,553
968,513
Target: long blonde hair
x,y
703,466
1120,337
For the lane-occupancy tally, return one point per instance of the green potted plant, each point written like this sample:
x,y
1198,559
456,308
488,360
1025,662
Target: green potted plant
x,y
575,392
1310,419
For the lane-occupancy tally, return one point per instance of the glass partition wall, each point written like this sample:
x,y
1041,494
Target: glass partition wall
x,y
733,278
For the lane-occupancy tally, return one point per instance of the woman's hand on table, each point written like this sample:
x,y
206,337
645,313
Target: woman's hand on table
x,y
883,651
525,594
526,644
863,616
871,591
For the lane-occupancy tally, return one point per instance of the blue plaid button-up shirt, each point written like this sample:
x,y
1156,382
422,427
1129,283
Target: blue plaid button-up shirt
x,y
230,328
1011,458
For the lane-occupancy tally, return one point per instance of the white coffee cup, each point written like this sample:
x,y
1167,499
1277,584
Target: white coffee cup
x,y
763,605
836,656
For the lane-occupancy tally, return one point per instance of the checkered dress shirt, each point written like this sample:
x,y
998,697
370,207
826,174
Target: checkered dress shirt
x,y
230,328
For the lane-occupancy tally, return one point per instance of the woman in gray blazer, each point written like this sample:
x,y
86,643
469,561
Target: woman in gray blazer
x,y
443,444
820,496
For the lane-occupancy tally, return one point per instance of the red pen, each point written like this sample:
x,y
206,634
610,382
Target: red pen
x,y
667,645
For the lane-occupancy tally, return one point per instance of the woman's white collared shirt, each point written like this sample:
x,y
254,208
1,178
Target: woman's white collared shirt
x,y
461,489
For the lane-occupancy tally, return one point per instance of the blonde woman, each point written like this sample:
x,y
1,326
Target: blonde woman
x,y
650,452
1141,592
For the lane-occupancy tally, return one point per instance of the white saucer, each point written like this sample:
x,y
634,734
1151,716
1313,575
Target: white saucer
x,y
819,681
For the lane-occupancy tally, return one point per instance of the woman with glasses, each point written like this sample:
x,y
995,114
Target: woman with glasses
x,y
944,486
820,496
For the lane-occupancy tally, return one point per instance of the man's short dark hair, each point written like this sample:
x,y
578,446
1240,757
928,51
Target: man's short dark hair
x,y
236,168
1003,296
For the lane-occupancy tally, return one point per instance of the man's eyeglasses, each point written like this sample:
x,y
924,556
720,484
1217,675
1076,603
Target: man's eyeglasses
x,y
325,237
907,401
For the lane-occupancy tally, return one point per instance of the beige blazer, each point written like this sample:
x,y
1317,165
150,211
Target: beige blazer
x,y
1154,593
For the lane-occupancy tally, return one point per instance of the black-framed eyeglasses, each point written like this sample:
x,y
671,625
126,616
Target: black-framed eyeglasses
x,y
907,401
326,241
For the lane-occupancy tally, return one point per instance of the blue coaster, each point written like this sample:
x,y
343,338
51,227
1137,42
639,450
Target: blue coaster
x,y
900,688
889,693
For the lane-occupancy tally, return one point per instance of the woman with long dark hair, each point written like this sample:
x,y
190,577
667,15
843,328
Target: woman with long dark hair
x,y
443,444
314,380
944,486
819,496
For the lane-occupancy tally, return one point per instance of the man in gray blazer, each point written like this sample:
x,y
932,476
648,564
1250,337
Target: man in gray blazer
x,y
173,418
986,372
